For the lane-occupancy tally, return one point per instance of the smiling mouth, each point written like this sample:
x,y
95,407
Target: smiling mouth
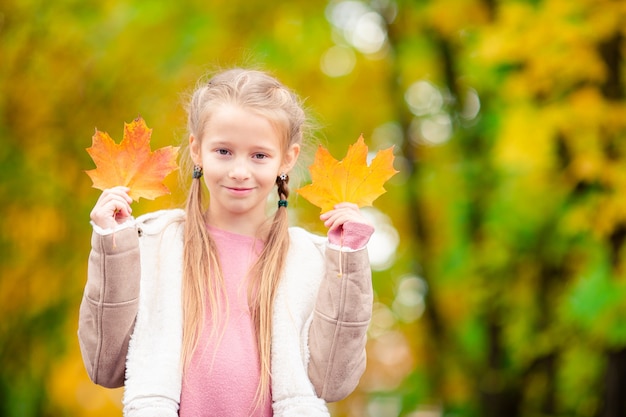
x,y
238,190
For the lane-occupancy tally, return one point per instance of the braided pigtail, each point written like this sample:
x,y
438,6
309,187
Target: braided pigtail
x,y
202,278
268,272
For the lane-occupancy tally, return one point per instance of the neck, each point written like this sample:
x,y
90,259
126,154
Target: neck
x,y
257,228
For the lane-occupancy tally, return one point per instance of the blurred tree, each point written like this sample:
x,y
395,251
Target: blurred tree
x,y
513,121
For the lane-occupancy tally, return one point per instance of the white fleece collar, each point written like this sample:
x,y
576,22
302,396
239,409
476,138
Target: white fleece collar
x,y
153,374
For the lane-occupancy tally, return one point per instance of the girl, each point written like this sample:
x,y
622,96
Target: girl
x,y
218,310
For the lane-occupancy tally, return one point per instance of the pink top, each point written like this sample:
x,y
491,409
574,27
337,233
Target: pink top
x,y
223,375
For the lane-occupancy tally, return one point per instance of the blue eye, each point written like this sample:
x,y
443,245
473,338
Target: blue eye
x,y
222,151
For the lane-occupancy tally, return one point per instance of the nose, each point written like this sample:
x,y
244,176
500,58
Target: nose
x,y
239,170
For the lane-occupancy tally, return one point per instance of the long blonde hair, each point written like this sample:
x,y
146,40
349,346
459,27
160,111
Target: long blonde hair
x,y
203,284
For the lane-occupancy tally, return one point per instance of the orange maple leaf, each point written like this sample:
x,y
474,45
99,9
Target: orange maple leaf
x,y
349,180
131,163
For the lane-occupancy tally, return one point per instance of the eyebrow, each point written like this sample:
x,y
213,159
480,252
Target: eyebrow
x,y
257,148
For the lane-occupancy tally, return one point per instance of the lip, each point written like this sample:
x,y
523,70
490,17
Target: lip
x,y
238,190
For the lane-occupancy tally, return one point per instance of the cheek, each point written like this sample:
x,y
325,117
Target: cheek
x,y
211,175
270,173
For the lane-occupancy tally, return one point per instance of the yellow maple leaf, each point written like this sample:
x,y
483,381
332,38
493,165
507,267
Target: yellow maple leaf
x,y
131,163
349,180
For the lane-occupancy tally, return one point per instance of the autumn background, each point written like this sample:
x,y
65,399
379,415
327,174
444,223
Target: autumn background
x,y
500,256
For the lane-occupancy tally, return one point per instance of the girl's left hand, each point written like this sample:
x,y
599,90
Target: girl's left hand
x,y
347,226
343,213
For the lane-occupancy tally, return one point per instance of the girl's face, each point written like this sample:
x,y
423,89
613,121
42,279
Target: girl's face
x,y
241,154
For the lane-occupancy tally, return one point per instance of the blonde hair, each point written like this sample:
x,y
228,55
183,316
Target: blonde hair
x,y
203,283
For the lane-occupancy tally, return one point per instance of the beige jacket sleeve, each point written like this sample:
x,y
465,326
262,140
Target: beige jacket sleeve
x,y
109,305
338,331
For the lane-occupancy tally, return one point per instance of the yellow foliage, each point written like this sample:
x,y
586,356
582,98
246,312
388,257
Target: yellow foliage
x,y
577,220
31,230
525,142
610,212
451,17
71,389
605,17
555,49
588,123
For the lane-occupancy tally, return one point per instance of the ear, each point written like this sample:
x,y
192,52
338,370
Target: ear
x,y
290,158
194,150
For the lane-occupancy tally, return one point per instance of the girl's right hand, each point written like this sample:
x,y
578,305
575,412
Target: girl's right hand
x,y
112,208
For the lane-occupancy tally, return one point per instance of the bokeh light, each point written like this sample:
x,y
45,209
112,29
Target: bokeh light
x,y
338,61
359,25
384,242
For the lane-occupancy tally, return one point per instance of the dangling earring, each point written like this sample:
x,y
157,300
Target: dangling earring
x,y
197,172
283,176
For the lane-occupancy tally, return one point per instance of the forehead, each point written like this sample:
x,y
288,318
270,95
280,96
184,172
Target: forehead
x,y
241,125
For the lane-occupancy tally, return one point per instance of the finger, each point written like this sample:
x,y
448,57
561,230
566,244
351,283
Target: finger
x,y
107,215
116,191
117,196
110,209
338,209
113,202
346,205
338,219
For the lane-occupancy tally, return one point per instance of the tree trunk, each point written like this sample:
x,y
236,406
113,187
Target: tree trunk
x,y
615,388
